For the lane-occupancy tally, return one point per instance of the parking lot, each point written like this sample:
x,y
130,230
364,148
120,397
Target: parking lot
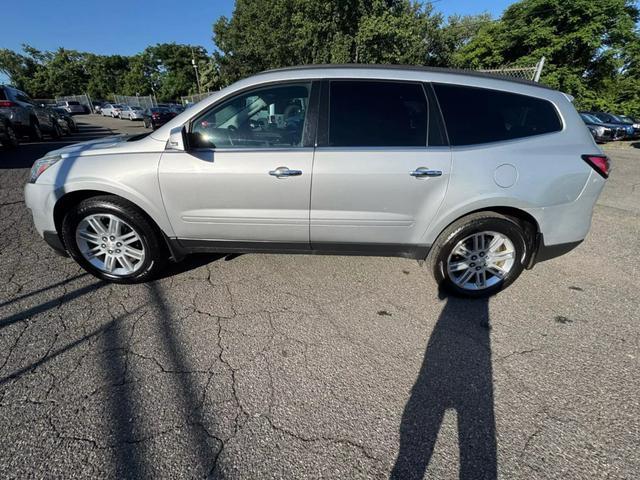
x,y
292,366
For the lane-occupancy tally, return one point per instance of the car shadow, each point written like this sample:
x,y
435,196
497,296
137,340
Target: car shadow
x,y
456,376
194,261
635,144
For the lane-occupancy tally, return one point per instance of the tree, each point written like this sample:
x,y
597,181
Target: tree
x,y
107,74
586,44
323,31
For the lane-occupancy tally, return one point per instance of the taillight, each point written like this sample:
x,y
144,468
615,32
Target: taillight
x,y
600,163
7,104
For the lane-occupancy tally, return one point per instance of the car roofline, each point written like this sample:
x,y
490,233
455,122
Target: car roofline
x,y
412,68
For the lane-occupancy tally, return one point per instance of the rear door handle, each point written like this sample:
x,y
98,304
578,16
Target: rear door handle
x,y
425,172
283,172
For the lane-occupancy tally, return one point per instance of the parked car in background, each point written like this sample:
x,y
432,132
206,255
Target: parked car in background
x,y
601,132
66,118
111,110
131,113
72,107
27,117
632,122
380,146
155,117
614,120
97,106
8,134
619,132
177,109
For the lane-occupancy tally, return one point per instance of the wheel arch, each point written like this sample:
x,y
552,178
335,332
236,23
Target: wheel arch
x,y
69,199
527,222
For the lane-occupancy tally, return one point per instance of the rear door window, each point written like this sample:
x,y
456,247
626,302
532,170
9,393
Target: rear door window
x,y
478,115
377,114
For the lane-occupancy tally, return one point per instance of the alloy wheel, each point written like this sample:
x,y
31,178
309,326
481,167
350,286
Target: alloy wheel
x,y
481,260
110,244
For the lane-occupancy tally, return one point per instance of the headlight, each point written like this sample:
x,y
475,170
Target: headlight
x,y
41,165
600,130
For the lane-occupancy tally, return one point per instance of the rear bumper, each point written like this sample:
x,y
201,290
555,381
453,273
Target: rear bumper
x,y
542,252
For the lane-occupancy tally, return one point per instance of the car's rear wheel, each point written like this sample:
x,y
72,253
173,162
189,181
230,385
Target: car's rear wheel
x,y
35,134
56,133
479,255
113,240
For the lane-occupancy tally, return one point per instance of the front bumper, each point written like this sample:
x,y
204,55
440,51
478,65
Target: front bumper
x,y
41,199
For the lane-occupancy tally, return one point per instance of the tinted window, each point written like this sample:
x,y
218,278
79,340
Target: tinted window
x,y
377,114
271,117
478,115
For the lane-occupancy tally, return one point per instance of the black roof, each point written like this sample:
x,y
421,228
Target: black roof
x,y
418,68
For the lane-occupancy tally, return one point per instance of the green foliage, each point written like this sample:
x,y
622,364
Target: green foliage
x,y
164,70
592,48
275,33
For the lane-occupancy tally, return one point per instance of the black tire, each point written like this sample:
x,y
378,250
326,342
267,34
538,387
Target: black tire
x,y
155,252
56,133
11,140
35,133
461,229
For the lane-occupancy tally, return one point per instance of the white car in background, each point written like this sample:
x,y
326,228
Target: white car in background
x,y
111,110
72,107
131,113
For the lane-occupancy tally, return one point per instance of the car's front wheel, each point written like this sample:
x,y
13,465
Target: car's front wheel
x,y
479,255
113,240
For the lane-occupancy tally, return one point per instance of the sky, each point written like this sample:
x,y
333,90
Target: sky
x,y
127,27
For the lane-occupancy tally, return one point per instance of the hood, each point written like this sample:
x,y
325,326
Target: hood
x,y
96,144
112,144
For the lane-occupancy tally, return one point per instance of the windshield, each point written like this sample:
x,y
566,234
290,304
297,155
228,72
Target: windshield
x,y
591,118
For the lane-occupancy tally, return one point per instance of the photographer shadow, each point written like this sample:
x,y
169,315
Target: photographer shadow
x,y
455,375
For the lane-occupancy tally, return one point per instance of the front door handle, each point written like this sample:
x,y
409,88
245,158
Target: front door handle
x,y
425,172
283,172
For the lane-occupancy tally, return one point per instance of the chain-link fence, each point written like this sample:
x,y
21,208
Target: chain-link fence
x,y
83,100
191,99
136,101
528,73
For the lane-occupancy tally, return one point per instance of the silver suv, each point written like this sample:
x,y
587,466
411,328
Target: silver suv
x,y
27,117
478,175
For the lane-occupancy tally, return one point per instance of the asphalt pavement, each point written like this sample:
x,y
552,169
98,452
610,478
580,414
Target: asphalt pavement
x,y
293,366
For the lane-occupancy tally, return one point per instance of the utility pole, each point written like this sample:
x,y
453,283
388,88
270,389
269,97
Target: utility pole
x,y
195,67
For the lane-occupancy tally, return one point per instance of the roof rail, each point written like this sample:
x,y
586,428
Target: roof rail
x,y
469,73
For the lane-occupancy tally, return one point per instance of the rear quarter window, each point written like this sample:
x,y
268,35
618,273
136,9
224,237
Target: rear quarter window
x,y
479,115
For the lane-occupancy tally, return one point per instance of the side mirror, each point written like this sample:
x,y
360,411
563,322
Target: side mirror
x,y
177,139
